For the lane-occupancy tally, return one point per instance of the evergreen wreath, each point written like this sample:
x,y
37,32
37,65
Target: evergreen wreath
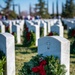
x,y
7,28
29,37
53,34
2,62
41,31
15,36
71,33
50,66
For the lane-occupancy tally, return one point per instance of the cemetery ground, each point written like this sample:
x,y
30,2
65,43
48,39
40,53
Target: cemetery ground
x,y
24,54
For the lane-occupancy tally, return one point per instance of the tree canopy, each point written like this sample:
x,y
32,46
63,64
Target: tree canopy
x,y
68,10
42,9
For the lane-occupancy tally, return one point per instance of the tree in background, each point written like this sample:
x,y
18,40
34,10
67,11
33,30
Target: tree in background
x,y
41,9
30,9
66,14
53,10
68,9
71,9
9,14
63,10
57,14
8,4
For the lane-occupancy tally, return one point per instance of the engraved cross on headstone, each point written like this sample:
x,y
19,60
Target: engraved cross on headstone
x,y
48,45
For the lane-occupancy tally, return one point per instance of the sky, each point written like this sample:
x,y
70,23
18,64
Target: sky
x,y
24,4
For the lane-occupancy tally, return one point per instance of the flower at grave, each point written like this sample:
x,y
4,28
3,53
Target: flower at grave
x,y
0,30
7,28
12,33
73,33
40,69
49,65
50,34
41,31
28,36
26,28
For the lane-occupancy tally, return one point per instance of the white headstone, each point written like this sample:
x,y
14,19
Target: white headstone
x,y
44,25
58,29
52,21
10,26
70,25
16,29
21,24
8,47
8,23
2,28
13,22
57,46
48,25
35,28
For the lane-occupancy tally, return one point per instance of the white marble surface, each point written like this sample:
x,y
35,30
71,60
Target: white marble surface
x,y
58,29
57,46
7,45
16,29
44,25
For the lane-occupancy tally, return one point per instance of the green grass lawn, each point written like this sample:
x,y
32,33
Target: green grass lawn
x,y
24,54
72,64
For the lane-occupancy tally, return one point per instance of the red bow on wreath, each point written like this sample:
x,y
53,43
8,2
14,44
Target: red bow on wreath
x,y
40,69
73,33
28,36
50,34
7,27
12,33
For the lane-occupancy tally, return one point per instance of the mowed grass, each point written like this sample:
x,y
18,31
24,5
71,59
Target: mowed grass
x,y
72,56
72,64
24,54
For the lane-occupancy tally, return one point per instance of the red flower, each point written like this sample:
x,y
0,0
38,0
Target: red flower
x,y
12,33
28,36
73,33
40,69
7,27
50,34
43,62
35,69
26,28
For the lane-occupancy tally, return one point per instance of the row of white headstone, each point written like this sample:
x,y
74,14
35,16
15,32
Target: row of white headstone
x,y
48,25
70,23
14,26
48,45
17,26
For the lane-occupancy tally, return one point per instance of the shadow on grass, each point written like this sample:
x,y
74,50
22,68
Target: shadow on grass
x,y
33,49
25,52
73,62
72,56
19,45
